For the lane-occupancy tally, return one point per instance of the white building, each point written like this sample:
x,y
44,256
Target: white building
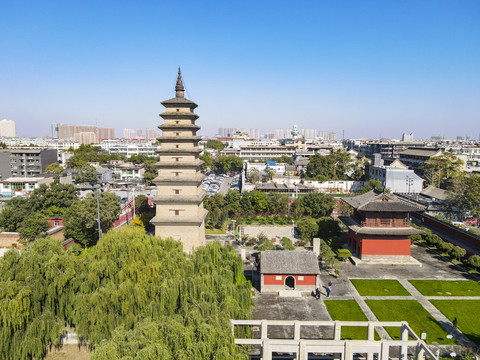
x,y
7,128
397,177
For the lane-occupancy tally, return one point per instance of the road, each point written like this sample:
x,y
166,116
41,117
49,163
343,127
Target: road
x,y
225,185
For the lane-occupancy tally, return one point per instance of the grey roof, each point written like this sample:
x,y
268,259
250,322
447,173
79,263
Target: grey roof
x,y
179,101
397,164
358,229
420,152
434,192
289,262
375,200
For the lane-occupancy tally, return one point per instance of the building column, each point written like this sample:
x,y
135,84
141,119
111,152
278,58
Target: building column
x,y
302,351
337,331
403,337
419,353
296,330
266,352
384,352
347,352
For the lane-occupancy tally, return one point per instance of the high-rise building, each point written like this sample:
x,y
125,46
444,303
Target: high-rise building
x,y
407,137
254,134
278,134
179,201
7,128
332,136
85,138
151,134
102,133
55,130
309,133
129,133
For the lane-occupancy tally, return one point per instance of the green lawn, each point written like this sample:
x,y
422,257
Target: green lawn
x,y
466,312
215,231
411,311
349,310
447,287
379,287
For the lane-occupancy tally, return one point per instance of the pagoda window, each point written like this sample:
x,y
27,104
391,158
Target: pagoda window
x,y
177,191
177,134
177,212
177,122
177,146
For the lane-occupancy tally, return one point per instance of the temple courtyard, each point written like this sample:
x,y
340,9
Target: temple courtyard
x,y
428,297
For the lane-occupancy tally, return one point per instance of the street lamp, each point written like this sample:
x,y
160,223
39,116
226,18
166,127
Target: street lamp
x,y
293,228
233,223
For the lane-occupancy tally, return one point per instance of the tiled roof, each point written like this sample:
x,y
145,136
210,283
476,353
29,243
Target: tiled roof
x,y
378,201
434,192
289,262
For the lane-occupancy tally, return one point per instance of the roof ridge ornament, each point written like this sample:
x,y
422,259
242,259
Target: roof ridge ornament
x,y
179,89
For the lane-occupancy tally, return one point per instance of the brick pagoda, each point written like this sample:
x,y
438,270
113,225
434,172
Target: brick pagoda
x,y
179,201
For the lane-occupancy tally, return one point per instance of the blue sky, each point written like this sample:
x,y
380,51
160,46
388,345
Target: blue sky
x,y
371,68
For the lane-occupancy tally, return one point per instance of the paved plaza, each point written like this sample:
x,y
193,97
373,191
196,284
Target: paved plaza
x,y
434,267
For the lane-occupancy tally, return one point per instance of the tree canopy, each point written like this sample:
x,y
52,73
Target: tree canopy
x,y
334,166
441,170
50,201
466,194
132,295
80,219
215,144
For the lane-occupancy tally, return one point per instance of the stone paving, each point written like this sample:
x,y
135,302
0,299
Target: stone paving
x,y
434,267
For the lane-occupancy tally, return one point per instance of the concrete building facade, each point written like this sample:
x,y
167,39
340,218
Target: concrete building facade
x,y
7,128
179,200
24,162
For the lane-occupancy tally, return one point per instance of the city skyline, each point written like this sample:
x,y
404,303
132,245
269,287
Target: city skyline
x,y
370,69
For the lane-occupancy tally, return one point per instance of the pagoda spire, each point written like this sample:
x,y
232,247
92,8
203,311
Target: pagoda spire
x,y
179,89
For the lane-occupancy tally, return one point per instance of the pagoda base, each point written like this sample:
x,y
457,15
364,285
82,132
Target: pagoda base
x,y
191,236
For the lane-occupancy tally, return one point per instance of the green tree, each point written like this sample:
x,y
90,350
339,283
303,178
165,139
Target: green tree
x,y
474,261
458,252
315,204
371,185
13,214
307,228
334,166
34,226
215,144
228,164
150,172
328,228
86,174
54,168
287,244
81,218
442,169
265,243
208,161
465,194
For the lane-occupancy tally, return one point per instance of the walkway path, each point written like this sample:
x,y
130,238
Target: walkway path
x,y
368,313
437,315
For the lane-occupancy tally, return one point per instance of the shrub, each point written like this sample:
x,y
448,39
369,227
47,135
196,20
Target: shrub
x,y
287,243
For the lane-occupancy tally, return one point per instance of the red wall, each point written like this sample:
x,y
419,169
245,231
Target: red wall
x,y
386,247
269,279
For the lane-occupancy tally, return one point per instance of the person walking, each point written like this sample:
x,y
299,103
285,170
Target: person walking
x,y
317,293
328,291
454,323
330,284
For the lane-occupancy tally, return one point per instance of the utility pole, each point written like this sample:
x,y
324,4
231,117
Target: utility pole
x,y
98,216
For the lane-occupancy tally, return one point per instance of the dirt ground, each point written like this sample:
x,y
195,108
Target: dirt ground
x,y
69,352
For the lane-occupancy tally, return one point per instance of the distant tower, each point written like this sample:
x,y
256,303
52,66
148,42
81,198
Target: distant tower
x,y
179,201
295,132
